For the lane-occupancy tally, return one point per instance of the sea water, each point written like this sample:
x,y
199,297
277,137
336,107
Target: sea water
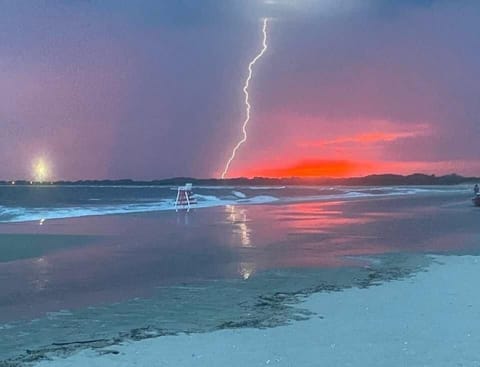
x,y
42,202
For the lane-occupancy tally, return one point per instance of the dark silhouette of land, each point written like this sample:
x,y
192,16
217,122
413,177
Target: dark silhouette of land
x,y
372,180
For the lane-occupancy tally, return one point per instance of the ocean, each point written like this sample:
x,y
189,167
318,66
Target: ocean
x,y
30,202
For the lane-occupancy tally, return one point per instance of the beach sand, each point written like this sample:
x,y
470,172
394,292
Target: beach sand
x,y
381,281
431,319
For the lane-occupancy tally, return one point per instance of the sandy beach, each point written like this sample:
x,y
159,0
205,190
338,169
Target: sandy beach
x,y
430,319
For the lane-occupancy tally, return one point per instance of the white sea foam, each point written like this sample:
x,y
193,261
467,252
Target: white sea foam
x,y
37,214
260,199
267,187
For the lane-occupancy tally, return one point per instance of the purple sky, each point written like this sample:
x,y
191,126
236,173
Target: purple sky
x,y
152,89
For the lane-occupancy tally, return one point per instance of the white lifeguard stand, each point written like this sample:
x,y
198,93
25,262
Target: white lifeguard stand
x,y
185,198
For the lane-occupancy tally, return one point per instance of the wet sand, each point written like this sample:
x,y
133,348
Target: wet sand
x,y
142,276
431,319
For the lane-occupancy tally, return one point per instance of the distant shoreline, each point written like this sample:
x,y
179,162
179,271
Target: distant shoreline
x,y
371,180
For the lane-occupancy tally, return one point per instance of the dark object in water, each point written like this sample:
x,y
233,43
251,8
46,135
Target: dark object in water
x,y
476,200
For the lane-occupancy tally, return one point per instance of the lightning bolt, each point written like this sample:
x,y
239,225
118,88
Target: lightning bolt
x,y
247,97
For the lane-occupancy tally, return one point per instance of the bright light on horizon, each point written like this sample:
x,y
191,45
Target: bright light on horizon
x,y
41,170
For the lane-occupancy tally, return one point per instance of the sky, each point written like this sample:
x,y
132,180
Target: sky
x,y
148,89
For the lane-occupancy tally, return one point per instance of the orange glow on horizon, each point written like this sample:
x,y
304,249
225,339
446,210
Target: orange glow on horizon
x,y
315,168
348,149
331,168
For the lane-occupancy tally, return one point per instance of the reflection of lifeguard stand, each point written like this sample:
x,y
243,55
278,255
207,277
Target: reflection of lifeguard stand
x,y
185,197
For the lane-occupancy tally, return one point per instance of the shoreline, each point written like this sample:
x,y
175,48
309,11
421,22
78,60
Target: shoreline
x,y
274,299
166,204
412,321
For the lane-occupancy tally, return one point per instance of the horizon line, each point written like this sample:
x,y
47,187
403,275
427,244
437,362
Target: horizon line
x,y
306,178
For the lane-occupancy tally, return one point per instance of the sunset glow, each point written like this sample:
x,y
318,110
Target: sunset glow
x,y
314,168
309,147
367,138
